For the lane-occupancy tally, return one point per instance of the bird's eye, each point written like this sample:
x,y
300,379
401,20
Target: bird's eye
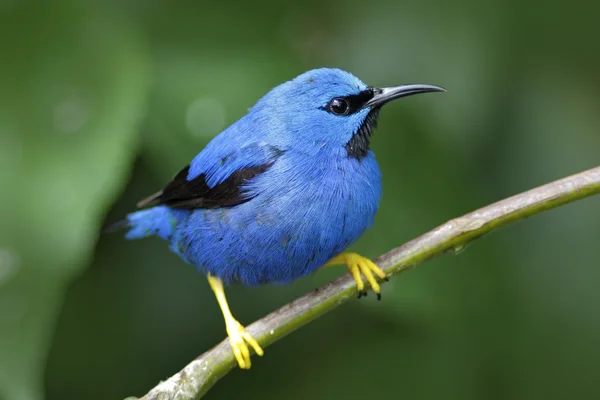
x,y
338,106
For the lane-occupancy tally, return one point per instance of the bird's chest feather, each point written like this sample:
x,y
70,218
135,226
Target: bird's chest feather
x,y
331,197
304,212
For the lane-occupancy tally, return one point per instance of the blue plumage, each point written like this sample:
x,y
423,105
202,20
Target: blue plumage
x,y
313,198
280,193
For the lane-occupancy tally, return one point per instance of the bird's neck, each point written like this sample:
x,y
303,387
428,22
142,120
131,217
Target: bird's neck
x,y
358,146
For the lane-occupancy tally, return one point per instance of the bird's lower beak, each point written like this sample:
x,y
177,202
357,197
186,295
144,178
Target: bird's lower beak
x,y
385,95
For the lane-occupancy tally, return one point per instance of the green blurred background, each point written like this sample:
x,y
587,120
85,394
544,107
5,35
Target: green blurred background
x,y
102,102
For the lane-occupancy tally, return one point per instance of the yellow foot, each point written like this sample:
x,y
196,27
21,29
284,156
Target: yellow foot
x,y
357,264
237,339
236,332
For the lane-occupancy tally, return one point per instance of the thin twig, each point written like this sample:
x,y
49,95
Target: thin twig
x,y
200,375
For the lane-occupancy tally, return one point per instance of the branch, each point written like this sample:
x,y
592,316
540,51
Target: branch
x,y
200,375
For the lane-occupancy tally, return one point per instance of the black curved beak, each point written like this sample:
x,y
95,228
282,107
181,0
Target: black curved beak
x,y
385,95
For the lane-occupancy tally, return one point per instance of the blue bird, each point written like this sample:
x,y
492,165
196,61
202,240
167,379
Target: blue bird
x,y
280,193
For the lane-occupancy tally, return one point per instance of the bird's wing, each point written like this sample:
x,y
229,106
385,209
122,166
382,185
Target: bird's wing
x,y
216,178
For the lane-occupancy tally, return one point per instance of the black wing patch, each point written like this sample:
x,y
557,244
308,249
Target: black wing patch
x,y
181,193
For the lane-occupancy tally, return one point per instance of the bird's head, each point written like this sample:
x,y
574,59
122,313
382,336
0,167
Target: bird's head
x,y
329,107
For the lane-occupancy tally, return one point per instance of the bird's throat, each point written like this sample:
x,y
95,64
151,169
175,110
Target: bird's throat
x,y
358,146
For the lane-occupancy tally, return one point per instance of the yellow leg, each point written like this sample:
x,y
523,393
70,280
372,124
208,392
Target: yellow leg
x,y
236,332
357,264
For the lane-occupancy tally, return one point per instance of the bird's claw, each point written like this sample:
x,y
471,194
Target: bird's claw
x,y
358,264
238,337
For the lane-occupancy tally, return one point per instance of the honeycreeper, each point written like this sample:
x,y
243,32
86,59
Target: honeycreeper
x,y
280,193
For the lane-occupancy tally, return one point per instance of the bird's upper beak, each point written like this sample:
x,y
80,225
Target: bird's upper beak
x,y
385,95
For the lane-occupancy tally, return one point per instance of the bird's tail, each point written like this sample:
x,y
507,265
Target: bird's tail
x,y
159,221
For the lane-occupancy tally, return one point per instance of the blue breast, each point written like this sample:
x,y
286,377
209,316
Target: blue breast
x,y
306,211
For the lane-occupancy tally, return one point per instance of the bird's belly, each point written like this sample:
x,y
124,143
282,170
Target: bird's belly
x,y
283,235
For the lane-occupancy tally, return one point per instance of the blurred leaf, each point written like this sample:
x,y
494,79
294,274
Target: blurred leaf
x,y
72,94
